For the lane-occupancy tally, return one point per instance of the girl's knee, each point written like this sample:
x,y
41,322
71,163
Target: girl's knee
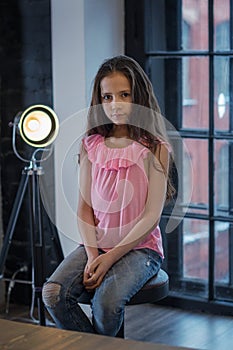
x,y
108,306
51,294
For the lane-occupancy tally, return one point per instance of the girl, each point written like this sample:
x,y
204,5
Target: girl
x,y
124,182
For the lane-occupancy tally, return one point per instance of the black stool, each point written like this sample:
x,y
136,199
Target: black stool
x,y
154,290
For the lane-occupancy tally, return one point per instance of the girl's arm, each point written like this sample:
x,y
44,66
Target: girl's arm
x,y
157,187
85,214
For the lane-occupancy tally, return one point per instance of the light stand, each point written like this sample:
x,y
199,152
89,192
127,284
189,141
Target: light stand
x,y
30,180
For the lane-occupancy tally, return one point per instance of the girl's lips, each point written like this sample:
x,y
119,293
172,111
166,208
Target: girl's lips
x,y
118,115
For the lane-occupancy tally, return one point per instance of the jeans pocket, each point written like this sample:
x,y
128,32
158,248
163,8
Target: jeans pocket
x,y
154,260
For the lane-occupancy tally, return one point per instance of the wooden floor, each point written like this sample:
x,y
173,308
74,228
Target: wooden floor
x,y
165,325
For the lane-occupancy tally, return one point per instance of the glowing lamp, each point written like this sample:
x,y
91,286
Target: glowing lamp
x,y
38,126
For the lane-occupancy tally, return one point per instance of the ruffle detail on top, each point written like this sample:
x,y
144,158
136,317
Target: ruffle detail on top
x,y
113,158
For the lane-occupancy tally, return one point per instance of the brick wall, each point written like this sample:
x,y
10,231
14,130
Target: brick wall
x,y
26,79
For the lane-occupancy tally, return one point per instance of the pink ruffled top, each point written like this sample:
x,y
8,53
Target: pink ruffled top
x,y
119,192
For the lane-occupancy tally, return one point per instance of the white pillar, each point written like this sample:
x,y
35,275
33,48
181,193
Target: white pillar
x,y
84,33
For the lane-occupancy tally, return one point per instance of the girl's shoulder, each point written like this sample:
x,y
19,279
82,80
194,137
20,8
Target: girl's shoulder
x,y
90,142
159,143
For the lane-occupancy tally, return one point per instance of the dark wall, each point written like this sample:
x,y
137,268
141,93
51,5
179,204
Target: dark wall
x,y
135,30
26,79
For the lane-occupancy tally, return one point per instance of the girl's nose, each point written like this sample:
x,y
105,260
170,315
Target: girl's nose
x,y
115,102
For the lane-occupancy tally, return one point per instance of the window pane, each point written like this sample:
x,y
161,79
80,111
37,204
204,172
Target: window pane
x,y
222,93
195,24
222,24
195,87
195,249
195,180
222,166
222,252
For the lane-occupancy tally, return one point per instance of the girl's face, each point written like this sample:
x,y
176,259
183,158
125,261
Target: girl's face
x,y
116,97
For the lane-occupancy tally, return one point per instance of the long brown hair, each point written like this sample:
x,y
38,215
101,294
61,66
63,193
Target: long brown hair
x,y
147,125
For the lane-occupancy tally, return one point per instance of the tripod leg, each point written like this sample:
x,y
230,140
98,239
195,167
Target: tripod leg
x,y
13,219
37,245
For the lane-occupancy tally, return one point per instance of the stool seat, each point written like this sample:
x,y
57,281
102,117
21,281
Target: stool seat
x,y
154,290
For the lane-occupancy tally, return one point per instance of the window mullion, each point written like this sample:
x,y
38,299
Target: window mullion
x,y
231,254
211,152
231,25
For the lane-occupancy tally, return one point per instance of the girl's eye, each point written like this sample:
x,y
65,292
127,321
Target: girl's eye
x,y
106,97
125,94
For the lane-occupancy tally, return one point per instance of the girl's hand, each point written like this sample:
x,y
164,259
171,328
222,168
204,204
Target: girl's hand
x,y
96,270
87,272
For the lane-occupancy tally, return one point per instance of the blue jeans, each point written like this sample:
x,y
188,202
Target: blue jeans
x,y
64,290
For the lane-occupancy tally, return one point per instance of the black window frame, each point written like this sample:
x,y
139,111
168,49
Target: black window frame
x,y
138,23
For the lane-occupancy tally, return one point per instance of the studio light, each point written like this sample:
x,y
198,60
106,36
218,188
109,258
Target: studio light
x,y
38,126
